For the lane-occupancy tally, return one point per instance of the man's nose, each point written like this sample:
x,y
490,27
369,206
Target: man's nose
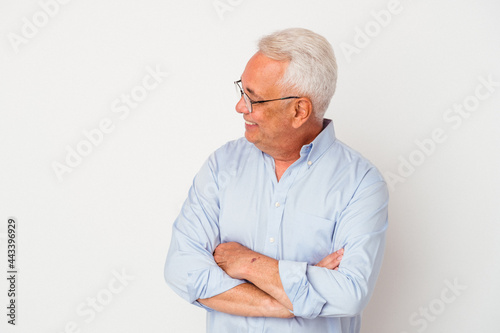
x,y
241,107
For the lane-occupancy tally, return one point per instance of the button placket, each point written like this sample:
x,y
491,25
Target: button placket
x,y
276,212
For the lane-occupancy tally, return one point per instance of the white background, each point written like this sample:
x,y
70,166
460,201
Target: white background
x,y
113,213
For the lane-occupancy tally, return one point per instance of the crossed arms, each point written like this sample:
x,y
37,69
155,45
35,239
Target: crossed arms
x,y
265,295
206,270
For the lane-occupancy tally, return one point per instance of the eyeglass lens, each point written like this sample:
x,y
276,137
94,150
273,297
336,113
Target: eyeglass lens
x,y
239,92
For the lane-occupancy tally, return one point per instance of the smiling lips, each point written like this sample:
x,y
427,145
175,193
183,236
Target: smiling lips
x,y
249,123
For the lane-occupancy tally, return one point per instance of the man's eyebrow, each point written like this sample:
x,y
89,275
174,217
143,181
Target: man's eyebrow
x,y
252,93
249,90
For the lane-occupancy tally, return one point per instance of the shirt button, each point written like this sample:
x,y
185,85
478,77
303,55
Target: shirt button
x,y
277,204
271,240
309,162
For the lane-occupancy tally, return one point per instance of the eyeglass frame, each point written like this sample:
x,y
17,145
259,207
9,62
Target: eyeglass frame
x,y
244,94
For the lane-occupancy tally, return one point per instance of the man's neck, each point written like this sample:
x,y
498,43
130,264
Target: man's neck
x,y
283,159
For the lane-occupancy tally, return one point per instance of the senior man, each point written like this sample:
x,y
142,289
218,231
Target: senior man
x,y
283,230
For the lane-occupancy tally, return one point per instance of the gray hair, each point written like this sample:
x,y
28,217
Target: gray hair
x,y
312,69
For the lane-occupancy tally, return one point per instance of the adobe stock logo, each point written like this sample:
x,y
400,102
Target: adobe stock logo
x,y
222,6
363,36
31,27
94,137
92,307
427,146
427,314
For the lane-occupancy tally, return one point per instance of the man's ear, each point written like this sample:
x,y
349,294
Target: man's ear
x,y
303,111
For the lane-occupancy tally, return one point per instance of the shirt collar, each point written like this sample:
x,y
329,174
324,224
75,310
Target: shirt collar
x,y
320,144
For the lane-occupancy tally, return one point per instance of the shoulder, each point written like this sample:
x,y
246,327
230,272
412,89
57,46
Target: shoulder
x,y
224,162
354,163
234,147
231,153
360,176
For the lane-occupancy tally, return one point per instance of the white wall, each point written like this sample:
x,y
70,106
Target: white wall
x,y
114,211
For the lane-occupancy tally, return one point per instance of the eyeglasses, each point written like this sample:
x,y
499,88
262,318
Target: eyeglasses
x,y
248,101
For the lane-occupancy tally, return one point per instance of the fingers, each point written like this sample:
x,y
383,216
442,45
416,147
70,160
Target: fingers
x,y
332,261
332,258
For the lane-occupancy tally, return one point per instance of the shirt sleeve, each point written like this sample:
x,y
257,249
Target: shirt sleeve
x,y
317,291
190,269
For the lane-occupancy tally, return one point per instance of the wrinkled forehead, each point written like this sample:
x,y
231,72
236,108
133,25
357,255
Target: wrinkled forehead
x,y
262,74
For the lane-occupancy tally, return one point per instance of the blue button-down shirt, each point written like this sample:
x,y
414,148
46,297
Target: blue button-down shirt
x,y
330,198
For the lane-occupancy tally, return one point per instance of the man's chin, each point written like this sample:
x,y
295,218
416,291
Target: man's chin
x,y
248,136
251,138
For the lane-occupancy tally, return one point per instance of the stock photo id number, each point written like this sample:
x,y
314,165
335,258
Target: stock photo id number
x,y
12,273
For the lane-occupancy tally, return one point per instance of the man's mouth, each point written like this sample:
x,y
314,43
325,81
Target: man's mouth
x,y
249,123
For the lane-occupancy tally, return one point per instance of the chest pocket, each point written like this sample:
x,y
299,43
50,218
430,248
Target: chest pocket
x,y
306,237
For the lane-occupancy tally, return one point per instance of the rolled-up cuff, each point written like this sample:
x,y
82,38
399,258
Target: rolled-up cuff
x,y
306,301
207,283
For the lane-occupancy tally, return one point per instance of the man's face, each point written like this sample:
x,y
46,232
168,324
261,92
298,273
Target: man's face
x,y
269,124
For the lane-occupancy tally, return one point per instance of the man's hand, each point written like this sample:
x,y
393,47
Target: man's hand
x,y
239,262
233,258
331,261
